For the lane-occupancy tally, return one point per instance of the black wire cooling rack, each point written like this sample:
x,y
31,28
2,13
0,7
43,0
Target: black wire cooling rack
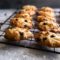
x,y
31,43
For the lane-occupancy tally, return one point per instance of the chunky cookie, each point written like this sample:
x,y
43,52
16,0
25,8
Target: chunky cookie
x,y
48,14
46,38
47,9
48,25
30,9
45,18
17,34
23,14
21,22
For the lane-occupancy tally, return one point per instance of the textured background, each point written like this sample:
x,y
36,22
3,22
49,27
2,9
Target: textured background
x,y
17,3
20,53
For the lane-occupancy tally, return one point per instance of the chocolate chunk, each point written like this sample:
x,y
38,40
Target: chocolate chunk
x,y
52,36
19,12
44,39
25,20
16,19
21,33
44,23
25,26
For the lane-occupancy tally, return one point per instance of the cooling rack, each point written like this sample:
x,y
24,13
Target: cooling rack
x,y
31,43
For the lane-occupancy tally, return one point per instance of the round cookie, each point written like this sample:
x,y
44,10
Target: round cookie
x,y
21,22
45,18
23,14
47,9
49,39
17,34
30,9
48,25
48,14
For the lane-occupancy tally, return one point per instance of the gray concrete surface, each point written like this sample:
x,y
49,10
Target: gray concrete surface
x,y
19,53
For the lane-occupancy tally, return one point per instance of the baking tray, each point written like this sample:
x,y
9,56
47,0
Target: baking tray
x,y
31,43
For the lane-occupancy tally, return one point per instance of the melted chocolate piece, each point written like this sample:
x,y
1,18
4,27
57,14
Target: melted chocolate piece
x,y
19,12
44,23
25,20
16,19
21,33
52,36
25,26
44,39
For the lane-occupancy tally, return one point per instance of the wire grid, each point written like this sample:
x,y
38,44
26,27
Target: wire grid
x,y
31,43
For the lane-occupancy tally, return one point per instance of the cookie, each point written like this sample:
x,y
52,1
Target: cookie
x,y
49,39
45,18
17,34
48,25
48,14
23,14
31,10
47,9
21,22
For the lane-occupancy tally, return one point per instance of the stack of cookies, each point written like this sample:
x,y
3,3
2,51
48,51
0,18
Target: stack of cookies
x,y
49,28
21,24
